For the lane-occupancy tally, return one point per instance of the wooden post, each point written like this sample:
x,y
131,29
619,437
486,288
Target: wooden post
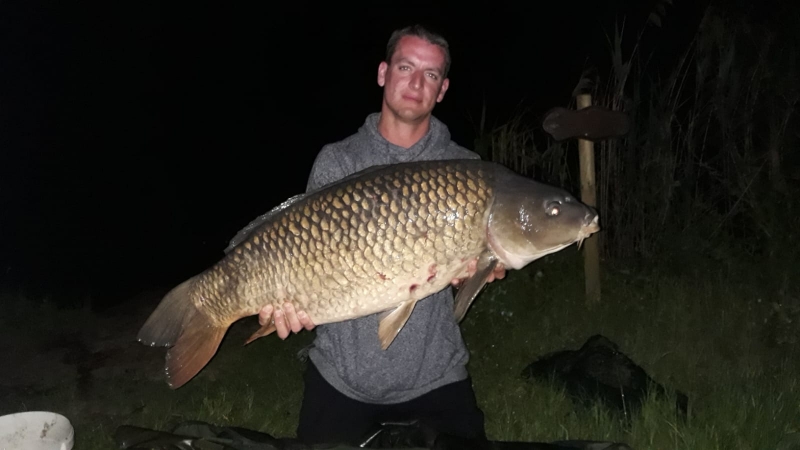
x,y
591,256
588,124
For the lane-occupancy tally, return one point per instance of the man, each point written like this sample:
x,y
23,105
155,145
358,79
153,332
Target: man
x,y
351,384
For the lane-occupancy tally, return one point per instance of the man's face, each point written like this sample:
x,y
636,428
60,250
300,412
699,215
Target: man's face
x,y
413,82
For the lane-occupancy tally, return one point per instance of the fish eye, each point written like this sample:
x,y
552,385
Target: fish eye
x,y
553,209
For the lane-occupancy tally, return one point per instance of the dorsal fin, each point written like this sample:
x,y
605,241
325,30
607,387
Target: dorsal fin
x,y
242,235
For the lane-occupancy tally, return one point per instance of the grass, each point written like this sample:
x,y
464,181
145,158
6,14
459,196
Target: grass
x,y
707,336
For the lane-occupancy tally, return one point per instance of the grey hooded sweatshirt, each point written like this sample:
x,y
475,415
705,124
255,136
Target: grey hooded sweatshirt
x,y
429,351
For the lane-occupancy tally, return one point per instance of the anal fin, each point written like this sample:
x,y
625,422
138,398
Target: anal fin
x,y
472,287
391,322
261,332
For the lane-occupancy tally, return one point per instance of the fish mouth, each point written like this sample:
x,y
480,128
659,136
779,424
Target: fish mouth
x,y
590,226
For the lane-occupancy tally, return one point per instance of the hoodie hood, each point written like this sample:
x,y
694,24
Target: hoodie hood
x,y
432,146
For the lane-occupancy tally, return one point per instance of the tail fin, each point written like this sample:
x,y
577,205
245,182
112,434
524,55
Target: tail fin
x,y
194,339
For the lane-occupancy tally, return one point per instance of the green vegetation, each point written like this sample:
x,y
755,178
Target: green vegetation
x,y
712,338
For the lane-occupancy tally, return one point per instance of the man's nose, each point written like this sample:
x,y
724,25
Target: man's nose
x,y
416,80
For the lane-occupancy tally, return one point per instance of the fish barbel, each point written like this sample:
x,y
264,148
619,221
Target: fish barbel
x,y
377,241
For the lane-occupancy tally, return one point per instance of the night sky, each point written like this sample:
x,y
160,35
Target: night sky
x,y
136,138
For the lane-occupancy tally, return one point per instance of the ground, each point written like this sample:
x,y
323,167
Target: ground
x,y
74,357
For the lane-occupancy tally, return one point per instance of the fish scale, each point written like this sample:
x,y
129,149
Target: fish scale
x,y
410,241
377,241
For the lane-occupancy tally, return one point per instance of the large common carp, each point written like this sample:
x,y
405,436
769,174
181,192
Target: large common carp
x,y
377,241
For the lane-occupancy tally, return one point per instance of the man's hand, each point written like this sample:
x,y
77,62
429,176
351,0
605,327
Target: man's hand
x,y
286,319
498,273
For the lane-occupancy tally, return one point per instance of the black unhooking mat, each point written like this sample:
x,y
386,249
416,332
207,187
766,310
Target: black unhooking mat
x,y
195,435
599,371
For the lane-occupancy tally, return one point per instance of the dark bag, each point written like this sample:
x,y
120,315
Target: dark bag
x,y
195,435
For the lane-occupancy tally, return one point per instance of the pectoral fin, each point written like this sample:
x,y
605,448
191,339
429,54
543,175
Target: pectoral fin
x,y
391,322
472,287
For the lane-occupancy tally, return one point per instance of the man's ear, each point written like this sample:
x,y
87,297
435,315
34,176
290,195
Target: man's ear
x,y
382,68
443,89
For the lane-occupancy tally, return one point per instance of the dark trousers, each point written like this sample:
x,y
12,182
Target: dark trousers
x,y
328,416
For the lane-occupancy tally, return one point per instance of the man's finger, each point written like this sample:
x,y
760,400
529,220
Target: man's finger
x,y
280,324
265,315
291,317
308,324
